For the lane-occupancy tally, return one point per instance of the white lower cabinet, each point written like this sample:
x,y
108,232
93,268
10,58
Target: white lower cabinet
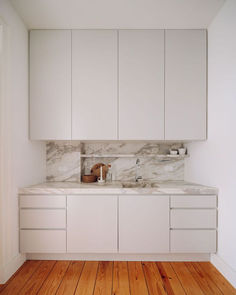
x,y
193,223
193,218
193,241
42,224
126,224
43,219
92,224
43,241
144,224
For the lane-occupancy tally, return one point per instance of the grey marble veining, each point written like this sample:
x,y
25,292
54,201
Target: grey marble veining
x,y
119,188
63,161
65,164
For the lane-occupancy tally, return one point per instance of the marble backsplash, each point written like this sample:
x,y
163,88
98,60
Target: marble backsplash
x,y
64,161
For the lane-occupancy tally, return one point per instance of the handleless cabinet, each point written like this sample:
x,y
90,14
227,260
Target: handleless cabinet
x,y
91,224
50,84
185,84
141,84
143,224
42,223
94,84
118,84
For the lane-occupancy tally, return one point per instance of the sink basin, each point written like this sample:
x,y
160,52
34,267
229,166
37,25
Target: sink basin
x,y
138,185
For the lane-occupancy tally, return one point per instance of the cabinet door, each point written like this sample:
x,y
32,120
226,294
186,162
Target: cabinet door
x,y
144,224
141,84
185,85
50,84
91,224
94,84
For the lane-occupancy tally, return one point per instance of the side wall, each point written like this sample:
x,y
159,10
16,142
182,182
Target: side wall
x,y
23,162
213,162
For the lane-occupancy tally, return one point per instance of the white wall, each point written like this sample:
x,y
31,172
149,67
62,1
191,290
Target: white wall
x,y
25,164
214,162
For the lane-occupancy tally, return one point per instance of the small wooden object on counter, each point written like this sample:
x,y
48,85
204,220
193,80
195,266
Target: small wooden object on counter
x,y
96,170
89,178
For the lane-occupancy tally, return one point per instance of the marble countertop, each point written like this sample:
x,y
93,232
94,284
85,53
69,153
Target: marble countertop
x,y
119,188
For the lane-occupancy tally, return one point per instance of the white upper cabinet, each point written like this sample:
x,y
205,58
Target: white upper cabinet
x,y
141,84
118,85
94,84
50,84
185,85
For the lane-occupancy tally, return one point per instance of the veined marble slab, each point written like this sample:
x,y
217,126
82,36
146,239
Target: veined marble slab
x,y
64,161
159,188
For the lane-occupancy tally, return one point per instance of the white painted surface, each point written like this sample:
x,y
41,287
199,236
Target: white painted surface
x,y
143,224
94,84
185,84
91,224
201,201
50,84
37,241
141,84
24,161
37,201
43,219
117,14
224,268
193,218
120,257
213,162
193,241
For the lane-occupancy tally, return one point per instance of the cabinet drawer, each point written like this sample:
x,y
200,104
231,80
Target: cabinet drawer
x,y
43,201
193,218
42,241
188,201
40,218
193,241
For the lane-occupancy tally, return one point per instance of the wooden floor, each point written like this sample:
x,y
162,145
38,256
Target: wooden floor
x,y
121,278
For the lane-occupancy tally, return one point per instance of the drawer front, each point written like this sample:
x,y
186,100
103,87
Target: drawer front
x,y
40,218
193,218
193,241
43,241
43,201
188,201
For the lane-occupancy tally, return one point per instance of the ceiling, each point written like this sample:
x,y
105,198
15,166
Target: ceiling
x,y
117,13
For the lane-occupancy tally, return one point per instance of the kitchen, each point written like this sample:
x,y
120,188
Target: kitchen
x,y
116,147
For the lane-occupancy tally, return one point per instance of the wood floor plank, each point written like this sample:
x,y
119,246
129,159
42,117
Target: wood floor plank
x,y
19,280
217,278
153,279
170,279
120,278
37,279
87,278
190,286
54,279
136,278
71,278
103,285
207,285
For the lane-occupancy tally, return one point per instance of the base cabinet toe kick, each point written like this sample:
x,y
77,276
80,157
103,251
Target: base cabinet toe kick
x,y
124,224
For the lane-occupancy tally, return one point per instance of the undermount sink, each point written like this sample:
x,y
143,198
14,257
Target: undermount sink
x,y
138,185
